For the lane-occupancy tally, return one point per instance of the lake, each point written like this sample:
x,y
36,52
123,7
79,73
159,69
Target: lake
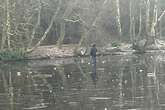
x,y
119,82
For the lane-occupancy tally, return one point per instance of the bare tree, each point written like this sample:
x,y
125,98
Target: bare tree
x,y
26,24
140,20
47,30
38,23
3,40
90,26
66,14
148,17
131,22
8,27
118,17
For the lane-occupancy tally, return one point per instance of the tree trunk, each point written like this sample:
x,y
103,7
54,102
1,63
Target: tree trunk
x,y
3,36
3,40
150,25
130,29
132,23
89,27
152,33
8,23
118,21
36,26
160,29
148,17
155,19
47,30
62,34
83,36
67,12
140,21
44,36
133,28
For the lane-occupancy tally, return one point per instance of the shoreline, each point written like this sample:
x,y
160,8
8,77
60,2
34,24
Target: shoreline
x,y
68,51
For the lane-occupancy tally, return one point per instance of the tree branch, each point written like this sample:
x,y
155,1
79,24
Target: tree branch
x,y
160,17
73,21
38,23
47,30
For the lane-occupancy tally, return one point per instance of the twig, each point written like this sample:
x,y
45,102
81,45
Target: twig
x,y
160,17
70,20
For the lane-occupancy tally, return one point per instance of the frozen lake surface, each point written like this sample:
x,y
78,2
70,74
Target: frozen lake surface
x,y
124,82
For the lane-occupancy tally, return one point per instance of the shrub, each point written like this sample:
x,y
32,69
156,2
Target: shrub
x,y
16,54
115,44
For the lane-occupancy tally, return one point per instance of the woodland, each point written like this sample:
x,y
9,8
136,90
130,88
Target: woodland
x,y
26,25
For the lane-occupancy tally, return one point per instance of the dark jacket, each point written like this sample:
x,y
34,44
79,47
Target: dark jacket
x,y
93,51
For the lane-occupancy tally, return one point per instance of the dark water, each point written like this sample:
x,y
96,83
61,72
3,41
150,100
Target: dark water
x,y
127,82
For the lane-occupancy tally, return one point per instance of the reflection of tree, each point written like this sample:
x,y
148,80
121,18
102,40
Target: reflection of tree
x,y
138,69
128,78
152,78
147,66
132,69
7,73
138,76
80,68
121,85
49,83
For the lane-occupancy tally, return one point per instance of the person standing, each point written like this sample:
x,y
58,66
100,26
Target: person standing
x,y
93,53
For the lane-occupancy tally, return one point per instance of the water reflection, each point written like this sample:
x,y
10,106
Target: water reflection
x,y
116,83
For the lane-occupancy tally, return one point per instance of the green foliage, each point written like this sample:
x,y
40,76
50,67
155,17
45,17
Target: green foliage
x,y
16,54
115,44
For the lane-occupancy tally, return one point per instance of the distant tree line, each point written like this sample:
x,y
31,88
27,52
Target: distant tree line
x,y
30,23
